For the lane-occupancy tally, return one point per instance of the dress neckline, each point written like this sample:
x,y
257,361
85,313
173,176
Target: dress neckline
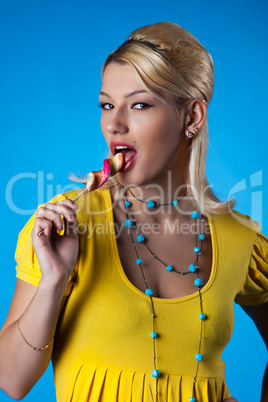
x,y
121,270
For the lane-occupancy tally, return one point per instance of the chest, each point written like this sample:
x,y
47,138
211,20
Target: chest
x,y
171,244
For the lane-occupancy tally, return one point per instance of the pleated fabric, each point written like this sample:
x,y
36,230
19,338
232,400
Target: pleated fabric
x,y
117,385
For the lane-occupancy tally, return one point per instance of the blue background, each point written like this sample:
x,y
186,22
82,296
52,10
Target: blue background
x,y
51,57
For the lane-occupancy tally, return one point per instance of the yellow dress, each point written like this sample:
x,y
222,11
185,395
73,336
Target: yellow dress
x,y
103,349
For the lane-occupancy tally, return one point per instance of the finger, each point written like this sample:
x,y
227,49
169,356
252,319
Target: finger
x,y
49,215
43,226
230,400
62,209
70,229
69,203
54,213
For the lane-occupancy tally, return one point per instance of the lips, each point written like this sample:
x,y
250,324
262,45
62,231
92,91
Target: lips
x,y
129,152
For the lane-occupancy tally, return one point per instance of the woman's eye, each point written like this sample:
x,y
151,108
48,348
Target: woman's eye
x,y
106,106
141,105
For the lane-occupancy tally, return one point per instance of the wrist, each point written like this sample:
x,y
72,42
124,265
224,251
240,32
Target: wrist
x,y
52,289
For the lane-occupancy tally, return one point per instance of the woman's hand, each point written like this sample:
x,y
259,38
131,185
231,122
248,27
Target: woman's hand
x,y
56,253
230,400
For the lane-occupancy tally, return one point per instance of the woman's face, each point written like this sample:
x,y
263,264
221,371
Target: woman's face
x,y
147,126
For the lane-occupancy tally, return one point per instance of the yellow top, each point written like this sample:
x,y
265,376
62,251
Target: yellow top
x,y
103,349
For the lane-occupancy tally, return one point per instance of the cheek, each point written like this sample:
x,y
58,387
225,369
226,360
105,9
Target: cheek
x,y
102,124
104,131
163,147
167,122
164,133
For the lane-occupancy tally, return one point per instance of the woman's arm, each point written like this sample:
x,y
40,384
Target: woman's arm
x,y
20,365
37,309
259,315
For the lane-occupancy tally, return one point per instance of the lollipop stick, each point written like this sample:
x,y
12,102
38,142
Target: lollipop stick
x,y
79,195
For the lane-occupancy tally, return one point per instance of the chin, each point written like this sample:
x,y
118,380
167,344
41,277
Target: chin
x,y
134,180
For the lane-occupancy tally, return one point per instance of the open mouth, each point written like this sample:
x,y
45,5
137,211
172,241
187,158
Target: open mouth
x,y
129,152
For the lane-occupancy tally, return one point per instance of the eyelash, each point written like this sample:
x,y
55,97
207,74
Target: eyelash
x,y
102,105
145,105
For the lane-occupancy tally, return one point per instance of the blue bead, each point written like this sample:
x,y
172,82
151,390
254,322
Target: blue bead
x,y
128,223
175,203
196,250
192,399
149,292
154,334
140,238
138,261
198,282
155,373
199,357
169,268
202,316
150,204
201,237
195,215
192,268
127,204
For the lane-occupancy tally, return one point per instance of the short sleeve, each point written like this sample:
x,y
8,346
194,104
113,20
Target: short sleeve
x,y
28,269
255,289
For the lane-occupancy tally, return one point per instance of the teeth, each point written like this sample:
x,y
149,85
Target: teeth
x,y
120,147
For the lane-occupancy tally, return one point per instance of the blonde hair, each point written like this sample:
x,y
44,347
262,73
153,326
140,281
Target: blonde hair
x,y
167,57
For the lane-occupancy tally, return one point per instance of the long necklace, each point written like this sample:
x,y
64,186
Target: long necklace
x,y
194,268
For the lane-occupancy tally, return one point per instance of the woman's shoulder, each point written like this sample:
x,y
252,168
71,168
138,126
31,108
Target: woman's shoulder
x,y
235,221
238,231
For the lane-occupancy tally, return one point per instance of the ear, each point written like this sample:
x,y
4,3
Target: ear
x,y
195,114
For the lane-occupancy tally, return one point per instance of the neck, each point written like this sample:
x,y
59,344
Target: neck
x,y
170,184
163,195
164,191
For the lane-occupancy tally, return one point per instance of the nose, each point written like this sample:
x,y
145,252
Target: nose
x,y
116,121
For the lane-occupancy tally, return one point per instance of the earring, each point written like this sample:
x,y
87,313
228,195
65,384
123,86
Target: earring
x,y
189,134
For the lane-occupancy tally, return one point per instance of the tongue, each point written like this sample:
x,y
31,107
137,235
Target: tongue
x,y
128,155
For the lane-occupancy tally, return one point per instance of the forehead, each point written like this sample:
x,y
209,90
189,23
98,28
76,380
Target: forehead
x,y
120,78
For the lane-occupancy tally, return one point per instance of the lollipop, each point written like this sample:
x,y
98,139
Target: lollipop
x,y
96,179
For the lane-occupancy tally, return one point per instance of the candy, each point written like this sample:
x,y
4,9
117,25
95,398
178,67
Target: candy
x,y
96,179
111,166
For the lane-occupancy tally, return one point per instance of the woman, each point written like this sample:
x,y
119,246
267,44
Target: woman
x,y
136,293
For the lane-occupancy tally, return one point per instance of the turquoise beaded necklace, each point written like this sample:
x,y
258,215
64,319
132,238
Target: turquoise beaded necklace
x,y
130,224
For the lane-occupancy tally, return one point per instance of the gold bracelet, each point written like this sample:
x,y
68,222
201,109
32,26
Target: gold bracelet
x,y
25,340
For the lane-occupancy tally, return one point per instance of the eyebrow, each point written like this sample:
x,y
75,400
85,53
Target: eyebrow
x,y
128,95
